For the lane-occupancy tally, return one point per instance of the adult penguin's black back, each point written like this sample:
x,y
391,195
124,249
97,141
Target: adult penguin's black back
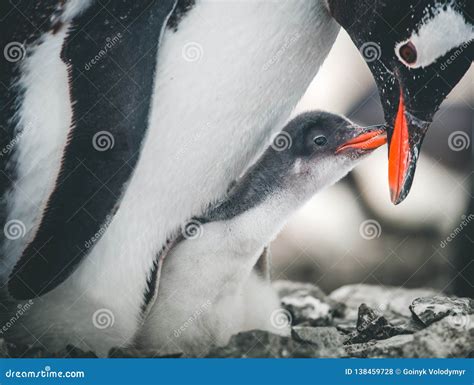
x,y
110,66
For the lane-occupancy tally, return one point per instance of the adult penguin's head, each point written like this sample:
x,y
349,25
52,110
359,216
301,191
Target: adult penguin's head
x,y
417,52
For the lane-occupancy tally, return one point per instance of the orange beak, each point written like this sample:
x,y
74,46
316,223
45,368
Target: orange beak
x,y
368,140
399,154
404,147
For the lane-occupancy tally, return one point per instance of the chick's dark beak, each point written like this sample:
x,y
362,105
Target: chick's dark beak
x,y
405,141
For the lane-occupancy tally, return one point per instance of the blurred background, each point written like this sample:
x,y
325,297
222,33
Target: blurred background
x,y
351,233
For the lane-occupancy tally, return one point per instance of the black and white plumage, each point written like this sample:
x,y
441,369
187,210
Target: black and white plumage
x,y
176,175
217,258
92,178
184,95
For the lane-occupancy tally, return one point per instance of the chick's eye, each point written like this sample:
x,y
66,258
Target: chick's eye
x,y
408,53
320,140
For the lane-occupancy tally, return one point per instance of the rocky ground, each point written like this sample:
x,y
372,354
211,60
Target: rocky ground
x,y
361,321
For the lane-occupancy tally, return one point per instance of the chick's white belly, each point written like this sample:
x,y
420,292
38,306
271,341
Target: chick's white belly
x,y
206,295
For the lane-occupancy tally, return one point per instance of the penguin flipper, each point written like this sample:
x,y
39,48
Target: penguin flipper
x,y
111,54
153,282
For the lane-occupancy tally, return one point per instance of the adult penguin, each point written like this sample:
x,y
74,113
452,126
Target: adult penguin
x,y
123,119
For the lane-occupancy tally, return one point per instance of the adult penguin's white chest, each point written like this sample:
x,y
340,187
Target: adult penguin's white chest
x,y
228,77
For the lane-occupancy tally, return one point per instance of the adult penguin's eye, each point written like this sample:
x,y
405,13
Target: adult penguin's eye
x,y
408,53
320,140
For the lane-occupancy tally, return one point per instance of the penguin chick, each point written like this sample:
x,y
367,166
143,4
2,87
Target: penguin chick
x,y
209,289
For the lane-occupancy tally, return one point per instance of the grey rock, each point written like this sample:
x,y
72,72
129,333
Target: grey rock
x,y
73,352
452,337
367,316
372,325
388,348
261,344
431,309
307,310
321,337
26,351
307,304
406,325
3,349
384,299
344,326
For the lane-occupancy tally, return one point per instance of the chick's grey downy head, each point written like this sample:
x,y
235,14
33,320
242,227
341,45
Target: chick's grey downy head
x,y
323,145
313,151
318,135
